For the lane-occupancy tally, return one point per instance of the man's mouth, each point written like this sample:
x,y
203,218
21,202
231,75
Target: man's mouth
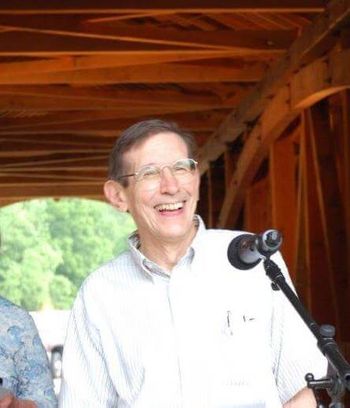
x,y
170,206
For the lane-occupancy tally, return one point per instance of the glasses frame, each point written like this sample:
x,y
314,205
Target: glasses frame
x,y
160,168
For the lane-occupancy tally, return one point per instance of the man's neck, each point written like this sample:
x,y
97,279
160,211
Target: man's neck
x,y
166,254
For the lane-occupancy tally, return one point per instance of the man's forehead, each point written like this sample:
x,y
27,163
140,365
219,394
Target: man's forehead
x,y
151,141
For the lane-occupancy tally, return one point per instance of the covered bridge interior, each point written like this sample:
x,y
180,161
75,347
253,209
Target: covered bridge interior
x,y
263,86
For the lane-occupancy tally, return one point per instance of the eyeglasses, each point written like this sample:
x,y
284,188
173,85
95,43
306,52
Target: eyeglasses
x,y
183,170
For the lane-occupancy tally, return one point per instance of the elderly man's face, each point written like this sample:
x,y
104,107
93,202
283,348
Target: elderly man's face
x,y
163,210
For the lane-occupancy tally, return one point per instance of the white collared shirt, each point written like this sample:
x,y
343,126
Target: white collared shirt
x,y
205,336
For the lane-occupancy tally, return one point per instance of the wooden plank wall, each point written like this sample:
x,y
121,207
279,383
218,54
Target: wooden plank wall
x,y
302,189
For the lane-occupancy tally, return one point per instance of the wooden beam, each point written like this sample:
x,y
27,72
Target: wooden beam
x,y
321,299
91,121
254,152
320,79
53,190
98,168
103,131
48,104
17,149
99,171
345,99
331,210
280,112
148,74
230,159
118,59
210,94
171,6
257,206
24,179
216,190
54,98
300,264
203,203
58,166
34,162
42,45
218,39
235,41
60,140
310,43
69,119
282,167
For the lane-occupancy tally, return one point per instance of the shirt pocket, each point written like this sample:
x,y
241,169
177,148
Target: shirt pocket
x,y
240,358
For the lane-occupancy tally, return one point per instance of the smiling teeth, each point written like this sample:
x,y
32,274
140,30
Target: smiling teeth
x,y
169,207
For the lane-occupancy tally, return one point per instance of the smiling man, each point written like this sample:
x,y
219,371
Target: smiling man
x,y
170,323
161,195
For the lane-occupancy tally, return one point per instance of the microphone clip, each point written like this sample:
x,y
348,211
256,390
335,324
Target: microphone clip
x,y
247,250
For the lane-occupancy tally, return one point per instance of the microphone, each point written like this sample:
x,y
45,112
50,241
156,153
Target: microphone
x,y
247,250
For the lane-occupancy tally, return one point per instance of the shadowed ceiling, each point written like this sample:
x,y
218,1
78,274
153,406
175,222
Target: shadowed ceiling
x,y
74,74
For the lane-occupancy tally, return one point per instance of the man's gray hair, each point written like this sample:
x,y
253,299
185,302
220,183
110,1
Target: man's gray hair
x,y
135,135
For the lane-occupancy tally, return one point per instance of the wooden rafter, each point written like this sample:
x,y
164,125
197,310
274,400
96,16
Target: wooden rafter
x,y
143,6
56,190
100,120
51,98
282,109
317,281
346,144
149,74
310,43
227,40
282,178
118,59
331,211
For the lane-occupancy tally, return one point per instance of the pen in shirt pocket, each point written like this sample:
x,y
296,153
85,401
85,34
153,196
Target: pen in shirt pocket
x,y
229,330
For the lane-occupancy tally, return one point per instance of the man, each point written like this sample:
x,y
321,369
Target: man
x,y
170,323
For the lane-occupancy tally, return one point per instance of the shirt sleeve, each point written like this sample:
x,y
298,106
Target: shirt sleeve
x,y
86,382
32,367
294,345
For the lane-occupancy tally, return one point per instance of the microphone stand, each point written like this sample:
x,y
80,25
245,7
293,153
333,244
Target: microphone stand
x,y
338,375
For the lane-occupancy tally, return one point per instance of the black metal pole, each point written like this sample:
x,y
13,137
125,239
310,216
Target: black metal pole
x,y
323,334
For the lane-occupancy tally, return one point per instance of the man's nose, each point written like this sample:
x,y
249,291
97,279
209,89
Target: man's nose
x,y
168,182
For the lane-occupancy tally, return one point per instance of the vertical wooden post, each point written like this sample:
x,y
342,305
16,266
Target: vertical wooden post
x,y
230,158
301,266
210,197
345,98
257,206
216,189
203,204
283,194
331,211
321,301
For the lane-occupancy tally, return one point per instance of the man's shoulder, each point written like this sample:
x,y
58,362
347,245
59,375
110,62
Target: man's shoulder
x,y
110,282
221,235
214,241
111,272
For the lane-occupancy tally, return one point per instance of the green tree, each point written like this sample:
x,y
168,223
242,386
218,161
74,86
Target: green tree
x,y
62,291
50,246
88,234
27,259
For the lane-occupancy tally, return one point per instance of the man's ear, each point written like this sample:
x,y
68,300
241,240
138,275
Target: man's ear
x,y
115,194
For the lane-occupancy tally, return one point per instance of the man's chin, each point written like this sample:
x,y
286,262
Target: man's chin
x,y
175,233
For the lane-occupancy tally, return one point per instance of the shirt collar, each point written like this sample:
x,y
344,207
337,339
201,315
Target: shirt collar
x,y
151,267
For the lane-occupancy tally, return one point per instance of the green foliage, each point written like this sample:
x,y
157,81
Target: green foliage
x,y
48,247
62,291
